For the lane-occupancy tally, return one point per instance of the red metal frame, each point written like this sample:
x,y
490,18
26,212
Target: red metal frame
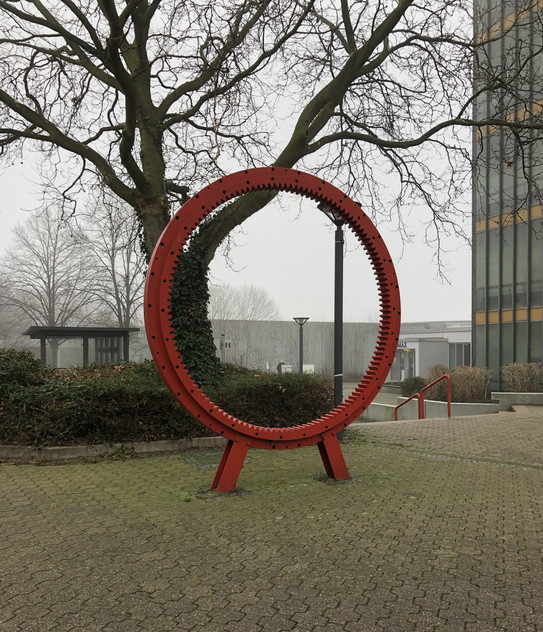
x,y
240,434
420,405
442,377
421,401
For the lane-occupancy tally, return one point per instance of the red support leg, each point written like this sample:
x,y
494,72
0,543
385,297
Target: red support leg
x,y
222,463
325,460
230,466
332,457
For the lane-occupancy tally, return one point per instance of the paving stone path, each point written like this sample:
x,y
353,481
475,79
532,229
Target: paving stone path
x,y
440,528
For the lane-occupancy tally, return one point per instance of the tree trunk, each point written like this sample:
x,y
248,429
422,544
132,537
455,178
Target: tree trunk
x,y
154,215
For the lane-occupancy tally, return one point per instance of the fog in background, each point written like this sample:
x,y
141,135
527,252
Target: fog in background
x,y
288,249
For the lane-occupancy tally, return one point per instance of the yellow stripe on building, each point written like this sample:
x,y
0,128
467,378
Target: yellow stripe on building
x,y
521,315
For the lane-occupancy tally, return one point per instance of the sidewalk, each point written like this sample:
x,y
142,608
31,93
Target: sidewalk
x,y
440,528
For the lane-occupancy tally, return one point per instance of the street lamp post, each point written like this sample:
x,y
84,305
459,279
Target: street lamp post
x,y
301,320
338,221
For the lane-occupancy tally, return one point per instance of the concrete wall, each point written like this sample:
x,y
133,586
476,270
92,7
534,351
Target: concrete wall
x,y
434,410
525,399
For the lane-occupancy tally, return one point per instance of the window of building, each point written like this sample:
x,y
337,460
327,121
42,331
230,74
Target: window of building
x,y
521,342
507,343
493,270
459,354
493,352
479,337
521,268
480,271
535,342
403,365
507,239
536,264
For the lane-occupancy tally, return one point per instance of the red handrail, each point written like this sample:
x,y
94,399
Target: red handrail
x,y
420,398
443,377
420,405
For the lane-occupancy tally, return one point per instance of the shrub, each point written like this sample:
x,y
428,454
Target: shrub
x,y
19,368
412,385
439,391
273,399
129,402
97,404
523,378
234,369
470,384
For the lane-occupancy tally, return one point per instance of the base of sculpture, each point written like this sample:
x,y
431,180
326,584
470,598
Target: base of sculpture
x,y
233,457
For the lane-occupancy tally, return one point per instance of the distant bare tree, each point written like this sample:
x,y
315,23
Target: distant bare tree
x,y
48,278
112,237
10,327
246,302
48,274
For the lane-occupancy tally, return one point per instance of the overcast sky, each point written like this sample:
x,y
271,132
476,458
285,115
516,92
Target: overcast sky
x,y
17,194
291,254
289,251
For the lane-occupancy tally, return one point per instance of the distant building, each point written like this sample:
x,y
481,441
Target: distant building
x,y
422,345
262,344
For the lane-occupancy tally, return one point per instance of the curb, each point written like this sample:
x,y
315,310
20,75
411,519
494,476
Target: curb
x,y
60,453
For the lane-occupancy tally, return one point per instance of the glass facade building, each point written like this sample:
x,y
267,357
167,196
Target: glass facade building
x,y
507,212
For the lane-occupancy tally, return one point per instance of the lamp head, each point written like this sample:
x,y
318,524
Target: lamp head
x,y
331,214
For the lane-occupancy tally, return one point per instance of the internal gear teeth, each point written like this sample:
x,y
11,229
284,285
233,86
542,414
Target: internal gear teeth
x,y
164,348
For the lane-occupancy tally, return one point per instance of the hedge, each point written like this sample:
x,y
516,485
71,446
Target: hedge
x,y
115,403
523,378
275,400
129,402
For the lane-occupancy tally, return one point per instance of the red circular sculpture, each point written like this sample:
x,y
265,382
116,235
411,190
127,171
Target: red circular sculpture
x,y
241,434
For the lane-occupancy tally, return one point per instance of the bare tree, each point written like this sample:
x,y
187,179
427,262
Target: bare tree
x,y
246,302
48,274
146,97
10,326
156,97
48,278
113,241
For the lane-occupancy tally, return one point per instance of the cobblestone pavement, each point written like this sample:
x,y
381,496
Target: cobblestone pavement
x,y
440,528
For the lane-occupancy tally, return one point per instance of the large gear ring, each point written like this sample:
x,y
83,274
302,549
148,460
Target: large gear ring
x,y
241,434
